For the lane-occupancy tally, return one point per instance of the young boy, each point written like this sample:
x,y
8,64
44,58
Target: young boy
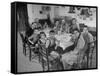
x,y
50,44
54,51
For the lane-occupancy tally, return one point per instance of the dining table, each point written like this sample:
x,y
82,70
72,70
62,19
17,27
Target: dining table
x,y
65,42
64,38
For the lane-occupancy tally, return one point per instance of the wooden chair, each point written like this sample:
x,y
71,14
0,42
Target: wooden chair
x,y
43,54
88,56
92,51
27,44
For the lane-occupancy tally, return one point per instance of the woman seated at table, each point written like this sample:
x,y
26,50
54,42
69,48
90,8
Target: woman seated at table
x,y
33,39
64,26
38,25
57,26
74,25
73,57
30,29
45,26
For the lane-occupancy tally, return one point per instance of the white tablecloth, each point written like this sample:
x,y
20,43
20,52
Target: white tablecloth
x,y
64,40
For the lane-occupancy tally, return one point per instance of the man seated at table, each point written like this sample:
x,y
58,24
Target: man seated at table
x,y
89,42
69,58
87,37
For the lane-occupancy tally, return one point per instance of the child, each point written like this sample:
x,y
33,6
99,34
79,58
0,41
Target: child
x,y
42,42
33,39
50,44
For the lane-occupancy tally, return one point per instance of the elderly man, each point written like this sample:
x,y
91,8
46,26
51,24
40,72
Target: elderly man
x,y
69,58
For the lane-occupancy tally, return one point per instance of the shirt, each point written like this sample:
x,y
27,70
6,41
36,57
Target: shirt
x,y
80,44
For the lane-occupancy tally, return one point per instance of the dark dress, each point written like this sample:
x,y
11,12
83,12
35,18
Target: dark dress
x,y
73,27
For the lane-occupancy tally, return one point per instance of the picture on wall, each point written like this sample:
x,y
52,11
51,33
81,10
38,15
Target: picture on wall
x,y
53,37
